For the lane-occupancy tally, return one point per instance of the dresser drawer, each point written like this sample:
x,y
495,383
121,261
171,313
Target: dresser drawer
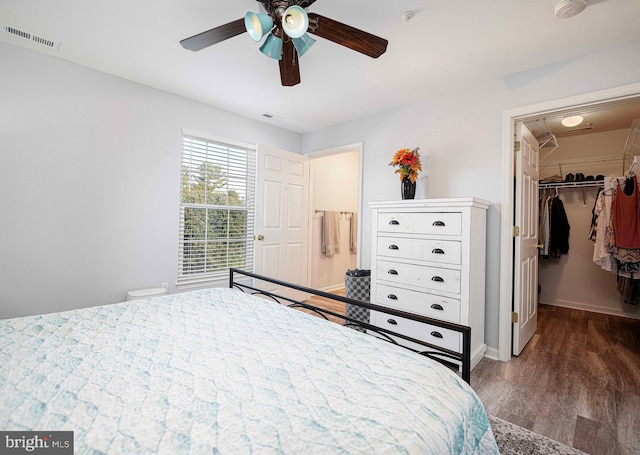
x,y
441,251
445,338
432,306
433,278
438,223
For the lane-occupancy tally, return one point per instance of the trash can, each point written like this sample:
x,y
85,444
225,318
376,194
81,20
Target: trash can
x,y
358,286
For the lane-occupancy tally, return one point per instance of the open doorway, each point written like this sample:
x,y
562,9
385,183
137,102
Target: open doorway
x,y
335,186
593,102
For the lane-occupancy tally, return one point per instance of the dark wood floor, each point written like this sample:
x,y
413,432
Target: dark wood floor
x,y
577,381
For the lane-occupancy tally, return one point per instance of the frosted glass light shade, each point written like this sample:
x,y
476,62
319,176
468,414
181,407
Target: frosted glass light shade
x,y
574,120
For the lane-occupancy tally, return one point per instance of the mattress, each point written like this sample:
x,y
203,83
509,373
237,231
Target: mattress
x,y
220,371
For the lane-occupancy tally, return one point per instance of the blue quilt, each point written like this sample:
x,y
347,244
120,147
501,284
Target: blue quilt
x,y
219,371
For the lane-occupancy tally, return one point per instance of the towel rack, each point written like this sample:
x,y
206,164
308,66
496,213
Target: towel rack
x,y
341,213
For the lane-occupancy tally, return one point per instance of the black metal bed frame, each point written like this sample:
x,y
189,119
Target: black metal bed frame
x,y
438,353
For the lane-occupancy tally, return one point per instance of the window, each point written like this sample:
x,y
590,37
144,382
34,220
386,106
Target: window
x,y
217,191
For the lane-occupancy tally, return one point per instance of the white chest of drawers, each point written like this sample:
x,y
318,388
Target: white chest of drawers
x,y
428,258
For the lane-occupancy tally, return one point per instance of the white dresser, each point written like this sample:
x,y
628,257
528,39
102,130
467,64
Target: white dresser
x,y
428,258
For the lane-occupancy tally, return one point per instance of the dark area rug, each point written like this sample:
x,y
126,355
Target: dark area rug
x,y
515,440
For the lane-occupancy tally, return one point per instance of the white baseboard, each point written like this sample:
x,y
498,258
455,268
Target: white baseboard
x,y
477,355
633,313
491,353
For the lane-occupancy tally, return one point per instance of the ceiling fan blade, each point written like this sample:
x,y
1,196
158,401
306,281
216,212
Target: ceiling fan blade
x,y
289,65
214,36
347,36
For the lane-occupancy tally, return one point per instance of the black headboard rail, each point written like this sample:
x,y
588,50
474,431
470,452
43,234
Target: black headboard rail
x,y
432,351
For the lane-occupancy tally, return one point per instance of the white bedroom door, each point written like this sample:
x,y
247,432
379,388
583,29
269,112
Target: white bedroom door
x,y
282,206
525,273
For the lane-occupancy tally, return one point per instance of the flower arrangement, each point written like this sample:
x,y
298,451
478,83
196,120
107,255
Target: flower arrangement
x,y
408,162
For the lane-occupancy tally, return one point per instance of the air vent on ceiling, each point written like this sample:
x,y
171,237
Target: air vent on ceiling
x,y
32,37
272,116
580,130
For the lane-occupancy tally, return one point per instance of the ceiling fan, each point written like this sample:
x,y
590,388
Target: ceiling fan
x,y
285,25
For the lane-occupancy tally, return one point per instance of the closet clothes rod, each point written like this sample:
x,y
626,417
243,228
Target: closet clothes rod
x,y
583,185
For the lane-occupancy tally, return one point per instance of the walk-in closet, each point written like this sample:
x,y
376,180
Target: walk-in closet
x,y
575,164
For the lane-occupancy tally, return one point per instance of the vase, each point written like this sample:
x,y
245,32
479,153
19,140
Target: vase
x,y
408,188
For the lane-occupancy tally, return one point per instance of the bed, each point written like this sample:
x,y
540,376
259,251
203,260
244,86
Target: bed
x,y
226,372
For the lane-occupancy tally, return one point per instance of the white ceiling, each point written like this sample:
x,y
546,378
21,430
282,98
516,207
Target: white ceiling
x,y
447,45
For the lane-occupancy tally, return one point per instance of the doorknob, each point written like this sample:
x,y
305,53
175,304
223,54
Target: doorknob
x,y
259,237
540,246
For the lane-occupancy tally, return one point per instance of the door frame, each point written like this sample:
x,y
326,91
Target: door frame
x,y
359,147
509,117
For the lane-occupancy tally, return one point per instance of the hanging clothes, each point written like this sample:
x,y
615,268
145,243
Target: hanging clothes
x,y
598,232
616,210
559,229
604,245
626,214
629,290
544,227
593,229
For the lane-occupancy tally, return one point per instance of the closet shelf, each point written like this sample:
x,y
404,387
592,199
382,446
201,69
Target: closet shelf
x,y
603,164
594,159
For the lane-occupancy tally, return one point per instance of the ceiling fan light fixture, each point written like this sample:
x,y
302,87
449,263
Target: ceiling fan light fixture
x,y
257,25
295,21
572,121
303,44
272,47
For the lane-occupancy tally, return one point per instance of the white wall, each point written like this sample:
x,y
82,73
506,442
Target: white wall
x,y
120,189
334,181
573,280
460,132
89,181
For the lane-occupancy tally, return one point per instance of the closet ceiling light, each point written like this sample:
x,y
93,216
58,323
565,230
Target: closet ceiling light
x,y
572,121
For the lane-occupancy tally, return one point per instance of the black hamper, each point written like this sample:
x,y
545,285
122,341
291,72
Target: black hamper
x,y
358,285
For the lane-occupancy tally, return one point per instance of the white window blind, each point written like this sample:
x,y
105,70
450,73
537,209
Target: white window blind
x,y
216,209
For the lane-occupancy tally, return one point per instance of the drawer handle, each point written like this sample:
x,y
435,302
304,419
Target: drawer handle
x,y
394,223
437,278
436,334
437,251
392,297
438,223
393,247
392,272
437,306
393,322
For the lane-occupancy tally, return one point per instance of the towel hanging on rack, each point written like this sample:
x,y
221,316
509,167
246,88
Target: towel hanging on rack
x,y
353,233
331,233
